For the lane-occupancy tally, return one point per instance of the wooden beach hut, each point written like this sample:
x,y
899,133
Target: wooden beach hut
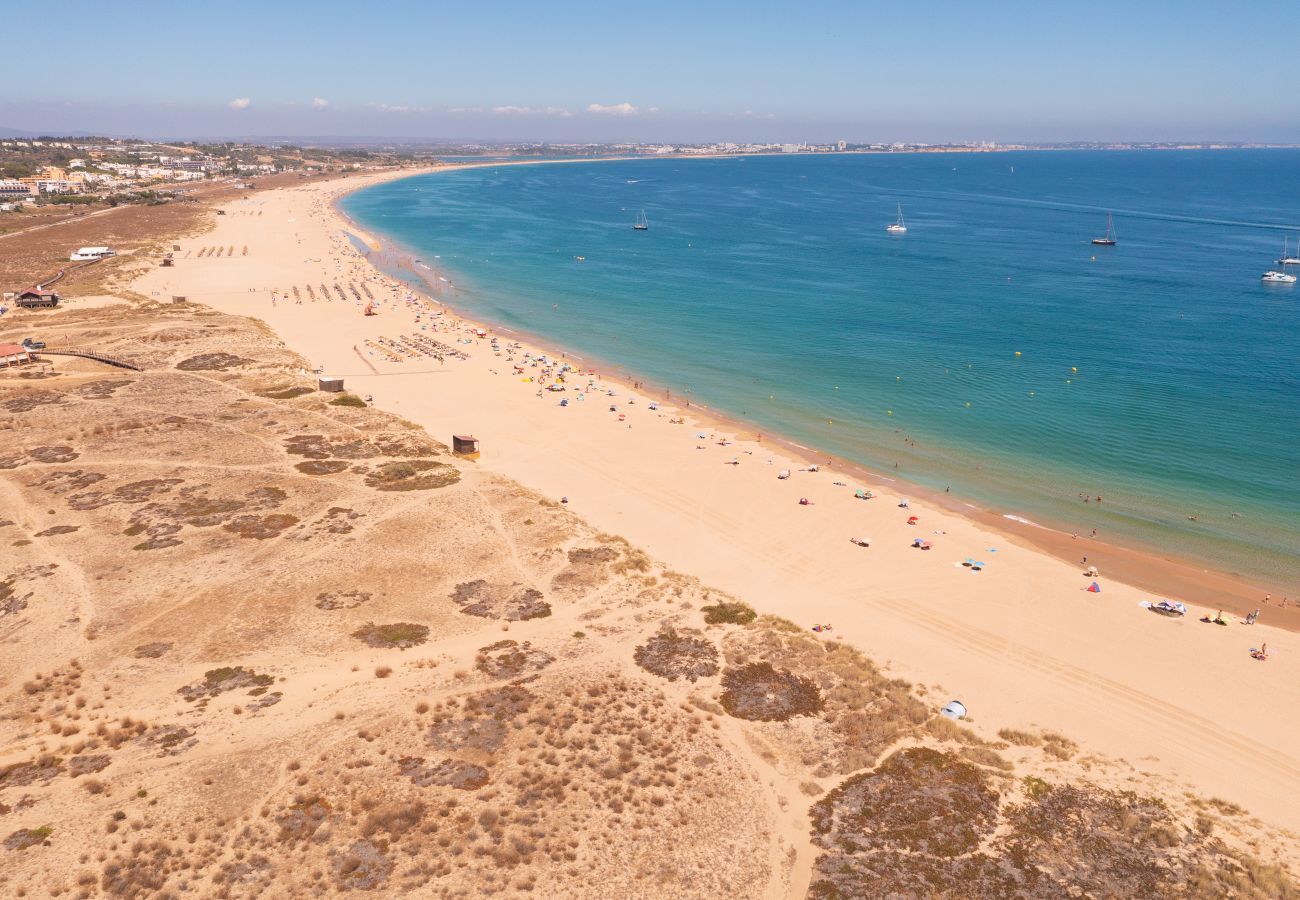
x,y
464,445
327,383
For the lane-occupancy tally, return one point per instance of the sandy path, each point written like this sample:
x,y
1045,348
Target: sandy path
x,y
1021,643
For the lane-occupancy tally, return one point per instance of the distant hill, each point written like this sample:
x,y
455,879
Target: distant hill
x,y
33,133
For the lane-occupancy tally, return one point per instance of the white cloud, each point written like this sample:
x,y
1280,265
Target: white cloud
x,y
613,109
522,111
239,103
319,103
389,108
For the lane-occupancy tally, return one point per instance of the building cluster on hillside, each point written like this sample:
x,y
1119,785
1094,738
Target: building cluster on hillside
x,y
34,170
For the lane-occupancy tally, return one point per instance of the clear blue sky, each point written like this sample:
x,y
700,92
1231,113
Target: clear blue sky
x,y
660,69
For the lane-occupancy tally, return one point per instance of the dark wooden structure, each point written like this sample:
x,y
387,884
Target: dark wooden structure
x,y
37,298
465,445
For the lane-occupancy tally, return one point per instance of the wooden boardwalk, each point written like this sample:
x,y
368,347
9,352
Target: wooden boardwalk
x,y
90,354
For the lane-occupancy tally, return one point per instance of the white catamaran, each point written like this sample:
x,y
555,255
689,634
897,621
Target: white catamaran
x,y
899,227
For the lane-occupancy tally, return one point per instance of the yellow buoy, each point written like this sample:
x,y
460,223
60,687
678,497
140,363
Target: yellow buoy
x,y
1074,369
891,412
1017,353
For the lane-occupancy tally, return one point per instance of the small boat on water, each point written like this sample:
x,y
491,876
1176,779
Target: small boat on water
x,y
1109,239
642,224
1287,259
1275,277
899,227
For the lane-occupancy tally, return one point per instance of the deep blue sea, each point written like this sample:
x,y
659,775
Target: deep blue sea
x,y
992,348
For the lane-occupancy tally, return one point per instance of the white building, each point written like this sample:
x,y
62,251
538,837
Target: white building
x,y
86,253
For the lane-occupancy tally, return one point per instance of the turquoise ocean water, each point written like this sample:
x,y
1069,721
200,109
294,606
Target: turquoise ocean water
x,y
1159,373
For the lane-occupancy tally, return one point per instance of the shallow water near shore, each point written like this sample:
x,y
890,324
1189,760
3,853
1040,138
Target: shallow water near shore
x,y
1159,374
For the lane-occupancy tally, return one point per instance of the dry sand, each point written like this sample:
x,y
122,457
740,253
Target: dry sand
x,y
254,641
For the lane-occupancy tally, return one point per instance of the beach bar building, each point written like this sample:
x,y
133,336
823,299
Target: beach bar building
x,y
464,445
15,355
37,298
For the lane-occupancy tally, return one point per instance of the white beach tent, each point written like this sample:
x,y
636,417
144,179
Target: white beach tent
x,y
954,710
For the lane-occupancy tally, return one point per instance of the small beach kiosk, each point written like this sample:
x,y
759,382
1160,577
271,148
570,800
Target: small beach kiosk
x,y
464,445
12,355
329,383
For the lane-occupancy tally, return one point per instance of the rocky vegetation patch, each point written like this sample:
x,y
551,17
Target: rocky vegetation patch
x,y
212,362
512,602
27,401
453,773
759,692
101,390
224,680
261,528
361,867
321,447
331,600
728,614
321,466
483,735
151,650
511,659
671,655
28,837
396,634
412,475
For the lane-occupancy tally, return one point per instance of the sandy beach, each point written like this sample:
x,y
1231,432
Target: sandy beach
x,y
1021,642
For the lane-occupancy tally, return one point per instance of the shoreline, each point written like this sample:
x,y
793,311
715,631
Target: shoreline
x,y
1022,643
1156,569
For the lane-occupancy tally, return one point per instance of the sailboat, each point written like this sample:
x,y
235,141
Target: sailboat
x,y
899,227
1286,259
641,223
1109,239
